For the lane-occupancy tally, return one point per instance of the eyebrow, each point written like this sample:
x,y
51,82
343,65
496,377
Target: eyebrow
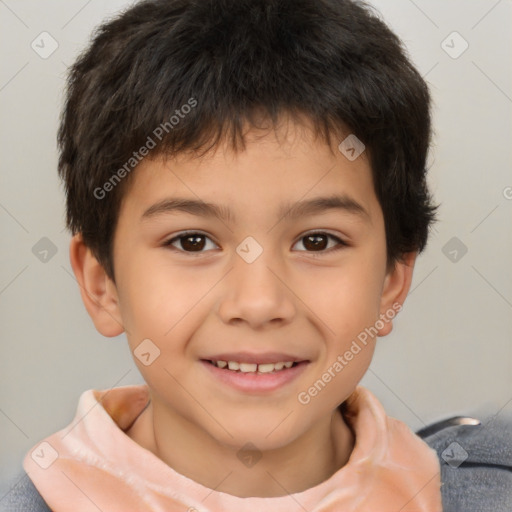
x,y
296,210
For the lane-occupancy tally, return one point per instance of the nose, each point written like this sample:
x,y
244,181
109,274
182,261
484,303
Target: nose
x,y
256,294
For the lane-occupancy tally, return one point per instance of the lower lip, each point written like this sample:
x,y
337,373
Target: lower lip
x,y
253,381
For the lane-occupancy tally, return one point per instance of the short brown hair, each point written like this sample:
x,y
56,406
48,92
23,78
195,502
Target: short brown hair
x,y
333,61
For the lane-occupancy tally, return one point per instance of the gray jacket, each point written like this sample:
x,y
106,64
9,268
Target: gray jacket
x,y
476,469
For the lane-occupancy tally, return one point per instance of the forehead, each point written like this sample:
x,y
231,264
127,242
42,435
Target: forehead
x,y
278,173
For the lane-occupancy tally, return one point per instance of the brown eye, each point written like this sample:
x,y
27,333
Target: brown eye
x,y
320,243
315,242
190,242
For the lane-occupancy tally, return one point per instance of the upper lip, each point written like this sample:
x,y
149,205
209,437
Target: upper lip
x,y
247,357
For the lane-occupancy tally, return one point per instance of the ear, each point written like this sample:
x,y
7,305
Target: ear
x,y
99,293
396,287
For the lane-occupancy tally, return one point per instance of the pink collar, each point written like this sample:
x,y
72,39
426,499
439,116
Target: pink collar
x,y
93,465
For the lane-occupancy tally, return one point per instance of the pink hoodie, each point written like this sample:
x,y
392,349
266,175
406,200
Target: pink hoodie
x,y
92,465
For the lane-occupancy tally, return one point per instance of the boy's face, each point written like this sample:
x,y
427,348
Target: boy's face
x,y
253,282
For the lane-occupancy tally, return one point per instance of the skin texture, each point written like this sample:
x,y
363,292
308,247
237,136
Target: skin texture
x,y
292,298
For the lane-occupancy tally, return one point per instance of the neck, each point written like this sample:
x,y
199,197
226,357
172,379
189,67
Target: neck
x,y
306,462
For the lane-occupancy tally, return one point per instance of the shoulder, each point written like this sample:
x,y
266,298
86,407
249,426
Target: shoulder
x,y
476,464
23,496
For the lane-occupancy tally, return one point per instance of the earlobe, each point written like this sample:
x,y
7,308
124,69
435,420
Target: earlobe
x,y
396,287
99,293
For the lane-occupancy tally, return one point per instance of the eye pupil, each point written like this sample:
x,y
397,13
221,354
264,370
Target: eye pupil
x,y
315,243
195,245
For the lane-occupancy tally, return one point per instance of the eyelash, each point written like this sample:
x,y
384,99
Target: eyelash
x,y
340,243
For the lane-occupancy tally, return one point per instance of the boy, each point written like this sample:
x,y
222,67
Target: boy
x,y
246,191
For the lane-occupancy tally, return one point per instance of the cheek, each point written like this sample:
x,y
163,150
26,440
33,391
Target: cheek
x,y
348,297
154,293
163,304
347,302
348,308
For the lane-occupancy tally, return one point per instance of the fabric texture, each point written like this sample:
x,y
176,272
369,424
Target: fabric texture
x,y
476,465
93,464
480,482
23,497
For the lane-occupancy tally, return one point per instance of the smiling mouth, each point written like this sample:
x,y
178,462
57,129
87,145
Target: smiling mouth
x,y
255,378
262,368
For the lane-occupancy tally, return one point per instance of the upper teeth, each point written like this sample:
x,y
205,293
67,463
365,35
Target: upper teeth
x,y
253,367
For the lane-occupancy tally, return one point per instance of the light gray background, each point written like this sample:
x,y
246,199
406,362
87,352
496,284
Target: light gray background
x,y
450,352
